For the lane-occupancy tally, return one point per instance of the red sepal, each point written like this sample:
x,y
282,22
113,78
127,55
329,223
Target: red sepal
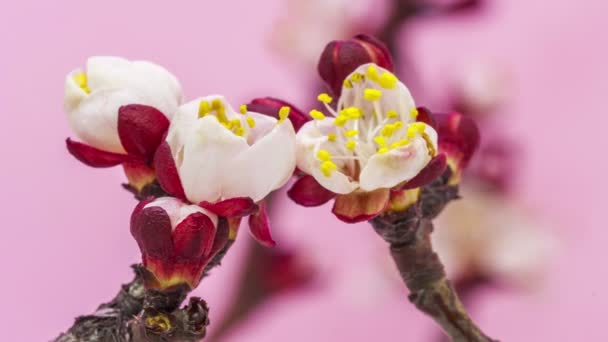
x,y
307,192
193,238
166,171
259,226
361,206
271,106
426,116
458,137
92,156
342,57
431,171
151,228
232,207
138,173
141,129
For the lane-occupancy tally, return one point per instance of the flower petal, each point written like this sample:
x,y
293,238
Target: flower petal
x,y
260,227
166,171
307,192
151,228
402,164
141,129
207,159
95,119
233,207
430,172
263,167
271,106
194,236
93,157
360,206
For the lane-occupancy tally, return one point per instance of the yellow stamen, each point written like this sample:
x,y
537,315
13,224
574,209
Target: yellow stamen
x,y
356,78
219,108
327,167
250,122
380,140
350,145
203,108
415,129
284,113
400,143
243,109
81,80
317,115
414,113
387,80
240,131
347,84
372,94
398,125
351,112
325,98
351,133
388,130
332,137
383,150
235,123
391,114
372,73
340,120
323,155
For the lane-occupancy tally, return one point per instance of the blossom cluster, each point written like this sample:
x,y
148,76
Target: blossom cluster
x,y
368,146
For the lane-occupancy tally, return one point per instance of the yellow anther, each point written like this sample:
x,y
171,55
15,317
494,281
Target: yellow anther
x,y
81,80
250,122
350,145
398,125
372,73
415,129
332,137
219,108
391,114
327,167
414,113
380,140
351,133
356,77
383,150
388,130
323,155
243,109
240,131
372,94
317,115
203,108
325,98
284,113
235,123
387,80
351,112
400,143
340,120
347,84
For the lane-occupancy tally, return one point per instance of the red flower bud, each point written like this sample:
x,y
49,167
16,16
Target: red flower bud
x,y
341,57
271,106
458,139
176,240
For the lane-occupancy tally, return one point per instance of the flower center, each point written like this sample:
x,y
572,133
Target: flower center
x,y
369,125
81,80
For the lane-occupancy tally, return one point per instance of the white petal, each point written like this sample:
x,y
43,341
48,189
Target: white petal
x,y
207,152
178,210
264,167
263,125
310,135
156,86
73,92
389,169
95,119
337,182
398,98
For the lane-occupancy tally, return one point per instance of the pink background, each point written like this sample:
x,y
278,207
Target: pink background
x,y
65,242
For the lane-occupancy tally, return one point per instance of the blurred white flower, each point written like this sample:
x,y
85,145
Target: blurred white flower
x,y
488,234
